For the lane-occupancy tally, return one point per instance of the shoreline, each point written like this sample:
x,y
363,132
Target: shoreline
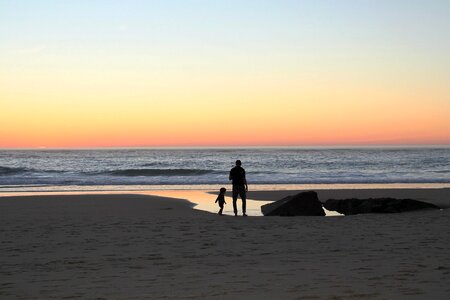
x,y
257,187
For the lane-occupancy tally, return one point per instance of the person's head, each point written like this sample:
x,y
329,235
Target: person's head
x,y
223,190
238,163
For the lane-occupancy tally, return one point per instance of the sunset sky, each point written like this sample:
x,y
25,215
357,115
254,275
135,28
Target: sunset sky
x,y
224,73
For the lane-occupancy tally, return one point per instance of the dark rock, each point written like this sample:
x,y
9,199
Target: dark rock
x,y
302,204
376,205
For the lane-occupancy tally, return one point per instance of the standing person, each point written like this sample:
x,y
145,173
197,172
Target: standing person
x,y
221,199
237,175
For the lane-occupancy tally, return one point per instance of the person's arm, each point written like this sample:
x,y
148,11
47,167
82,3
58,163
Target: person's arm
x,y
245,182
230,177
217,200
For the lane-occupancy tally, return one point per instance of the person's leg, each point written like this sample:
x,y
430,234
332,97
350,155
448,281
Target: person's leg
x,y
244,201
221,209
235,195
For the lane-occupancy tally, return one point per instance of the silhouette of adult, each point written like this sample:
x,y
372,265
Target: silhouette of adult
x,y
240,188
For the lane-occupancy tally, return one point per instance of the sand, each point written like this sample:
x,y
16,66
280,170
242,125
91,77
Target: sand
x,y
147,247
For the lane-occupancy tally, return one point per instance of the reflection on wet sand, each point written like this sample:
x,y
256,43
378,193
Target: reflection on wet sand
x,y
204,200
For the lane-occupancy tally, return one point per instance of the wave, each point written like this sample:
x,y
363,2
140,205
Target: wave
x,y
12,171
158,172
442,171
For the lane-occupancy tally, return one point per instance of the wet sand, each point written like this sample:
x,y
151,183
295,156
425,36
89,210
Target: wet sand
x,y
148,247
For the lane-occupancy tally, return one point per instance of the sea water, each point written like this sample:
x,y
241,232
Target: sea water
x,y
143,168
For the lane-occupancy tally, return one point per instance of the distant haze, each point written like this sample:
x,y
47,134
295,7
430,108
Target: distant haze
x,y
220,73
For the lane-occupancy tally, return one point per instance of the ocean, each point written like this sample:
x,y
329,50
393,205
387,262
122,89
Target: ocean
x,y
147,168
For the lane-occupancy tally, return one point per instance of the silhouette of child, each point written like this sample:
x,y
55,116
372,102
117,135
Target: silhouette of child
x,y
221,199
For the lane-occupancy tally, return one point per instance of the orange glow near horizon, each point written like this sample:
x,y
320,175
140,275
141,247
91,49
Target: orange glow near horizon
x,y
261,113
267,118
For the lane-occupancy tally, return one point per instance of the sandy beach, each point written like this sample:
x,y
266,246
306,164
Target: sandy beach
x,y
147,247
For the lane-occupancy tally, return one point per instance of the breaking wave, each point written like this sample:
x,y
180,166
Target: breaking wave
x,y
12,171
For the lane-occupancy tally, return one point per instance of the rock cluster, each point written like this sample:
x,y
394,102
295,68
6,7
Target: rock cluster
x,y
376,205
308,204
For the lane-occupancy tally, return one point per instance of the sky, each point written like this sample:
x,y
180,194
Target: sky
x,y
224,73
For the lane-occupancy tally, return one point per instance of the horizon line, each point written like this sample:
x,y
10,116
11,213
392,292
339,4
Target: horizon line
x,y
331,146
